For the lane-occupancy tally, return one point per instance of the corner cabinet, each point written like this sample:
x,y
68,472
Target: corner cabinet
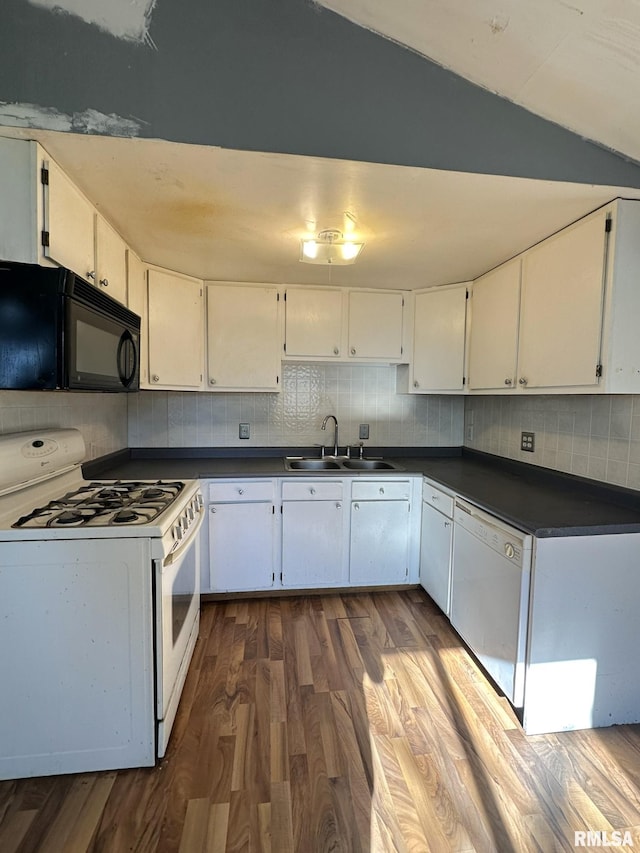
x,y
243,337
175,329
437,364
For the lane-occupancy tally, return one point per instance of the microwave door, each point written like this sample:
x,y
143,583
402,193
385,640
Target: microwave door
x,y
101,352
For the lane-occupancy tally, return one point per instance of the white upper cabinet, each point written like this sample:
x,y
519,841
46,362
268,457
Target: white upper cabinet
x,y
243,337
375,325
313,323
176,331
439,331
69,222
493,344
561,311
137,302
111,260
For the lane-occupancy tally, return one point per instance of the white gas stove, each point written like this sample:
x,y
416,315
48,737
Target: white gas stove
x,y
99,598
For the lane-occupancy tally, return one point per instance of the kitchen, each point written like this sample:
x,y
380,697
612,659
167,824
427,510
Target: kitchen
x,y
574,433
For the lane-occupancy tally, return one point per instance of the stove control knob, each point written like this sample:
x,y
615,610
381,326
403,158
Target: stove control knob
x,y
178,530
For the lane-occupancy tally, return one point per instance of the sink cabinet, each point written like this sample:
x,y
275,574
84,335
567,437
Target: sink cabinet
x,y
241,536
314,533
380,532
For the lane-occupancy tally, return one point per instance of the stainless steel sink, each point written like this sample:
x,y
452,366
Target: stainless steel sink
x,y
295,463
369,465
337,463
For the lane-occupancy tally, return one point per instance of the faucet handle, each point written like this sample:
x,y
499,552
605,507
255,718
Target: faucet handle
x,y
361,446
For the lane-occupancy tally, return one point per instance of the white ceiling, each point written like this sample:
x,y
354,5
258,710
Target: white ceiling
x,y
575,62
232,215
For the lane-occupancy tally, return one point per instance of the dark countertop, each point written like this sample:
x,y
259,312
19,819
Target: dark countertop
x,y
536,500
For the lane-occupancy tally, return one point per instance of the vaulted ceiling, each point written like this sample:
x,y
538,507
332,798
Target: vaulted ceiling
x,y
575,62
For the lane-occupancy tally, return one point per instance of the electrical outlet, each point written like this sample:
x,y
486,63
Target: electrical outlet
x,y
244,431
528,441
364,431
469,432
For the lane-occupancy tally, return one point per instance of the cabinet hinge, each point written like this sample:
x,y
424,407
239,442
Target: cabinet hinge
x,y
273,510
277,297
466,294
464,380
284,346
598,371
401,350
273,577
280,577
277,380
608,224
44,176
45,238
285,296
403,301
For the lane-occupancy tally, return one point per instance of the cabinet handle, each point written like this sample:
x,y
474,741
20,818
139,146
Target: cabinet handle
x,y
381,490
91,274
447,524
336,351
353,350
155,377
212,382
508,381
416,384
356,506
104,282
213,509
241,491
434,497
522,380
312,491
338,506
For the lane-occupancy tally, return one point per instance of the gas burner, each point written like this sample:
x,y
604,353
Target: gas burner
x,y
153,494
70,516
125,516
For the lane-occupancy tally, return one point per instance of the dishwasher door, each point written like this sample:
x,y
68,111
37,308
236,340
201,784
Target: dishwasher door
x,y
490,594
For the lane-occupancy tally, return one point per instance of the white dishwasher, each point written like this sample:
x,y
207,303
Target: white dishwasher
x,y
490,594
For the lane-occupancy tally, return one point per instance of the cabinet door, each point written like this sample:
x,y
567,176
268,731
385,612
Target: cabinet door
x,y
379,542
313,324
375,325
241,546
435,556
493,346
175,331
313,538
111,260
69,219
438,345
561,313
243,345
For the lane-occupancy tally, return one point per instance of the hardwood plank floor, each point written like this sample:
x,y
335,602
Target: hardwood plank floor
x,y
355,723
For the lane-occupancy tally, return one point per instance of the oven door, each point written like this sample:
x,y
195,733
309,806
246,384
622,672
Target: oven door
x,y
177,605
101,352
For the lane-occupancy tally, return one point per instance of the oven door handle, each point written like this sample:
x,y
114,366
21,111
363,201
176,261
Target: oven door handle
x,y
183,544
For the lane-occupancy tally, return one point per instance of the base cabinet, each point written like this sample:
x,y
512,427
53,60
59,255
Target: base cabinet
x,y
435,546
314,534
379,547
242,540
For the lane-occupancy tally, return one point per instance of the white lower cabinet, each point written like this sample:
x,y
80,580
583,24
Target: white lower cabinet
x,y
380,530
435,545
314,534
242,536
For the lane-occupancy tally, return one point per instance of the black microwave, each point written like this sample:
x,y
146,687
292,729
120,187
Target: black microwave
x,y
59,331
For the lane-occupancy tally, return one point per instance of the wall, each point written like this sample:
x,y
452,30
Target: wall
x,y
101,418
239,75
591,436
355,394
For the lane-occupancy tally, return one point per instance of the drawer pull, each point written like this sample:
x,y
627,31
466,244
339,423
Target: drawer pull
x,y
381,490
241,491
312,490
356,506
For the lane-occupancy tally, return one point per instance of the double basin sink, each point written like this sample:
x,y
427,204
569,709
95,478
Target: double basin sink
x,y
338,463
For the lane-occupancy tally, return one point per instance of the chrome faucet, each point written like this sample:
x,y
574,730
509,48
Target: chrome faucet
x,y
335,435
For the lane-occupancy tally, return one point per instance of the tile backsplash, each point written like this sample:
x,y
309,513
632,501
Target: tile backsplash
x,y
354,393
595,436
101,418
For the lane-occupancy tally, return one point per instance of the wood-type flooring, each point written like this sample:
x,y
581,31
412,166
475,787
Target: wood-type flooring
x,y
335,723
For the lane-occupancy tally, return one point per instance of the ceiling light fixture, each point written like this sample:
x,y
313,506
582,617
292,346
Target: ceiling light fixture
x,y
329,248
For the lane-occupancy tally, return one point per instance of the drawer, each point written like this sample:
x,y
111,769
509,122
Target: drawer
x,y
381,490
241,490
437,498
308,491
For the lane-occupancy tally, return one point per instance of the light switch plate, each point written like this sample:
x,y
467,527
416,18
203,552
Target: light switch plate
x,y
244,431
